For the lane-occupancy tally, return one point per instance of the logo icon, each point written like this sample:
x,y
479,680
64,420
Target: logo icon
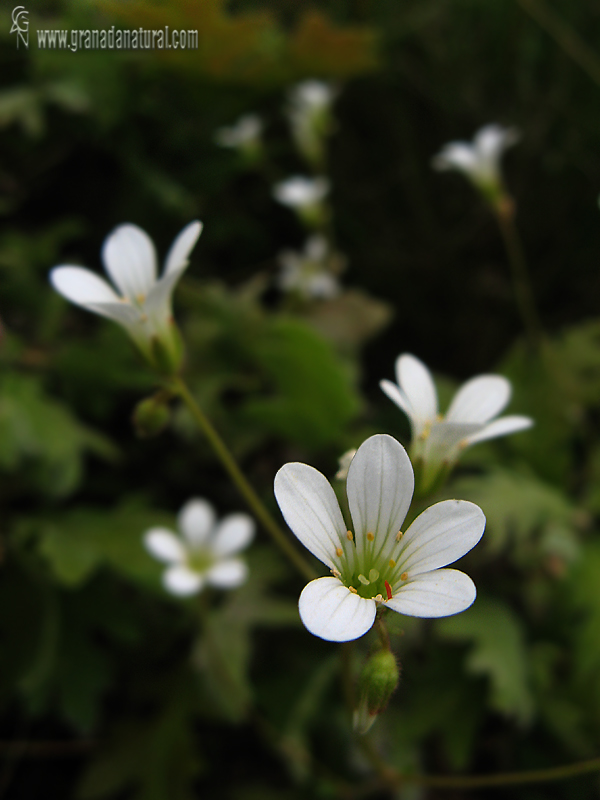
x,y
20,26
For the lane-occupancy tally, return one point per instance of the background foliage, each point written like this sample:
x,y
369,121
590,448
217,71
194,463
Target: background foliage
x,y
108,687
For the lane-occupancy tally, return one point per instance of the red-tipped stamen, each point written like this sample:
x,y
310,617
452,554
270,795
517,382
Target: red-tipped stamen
x,y
388,589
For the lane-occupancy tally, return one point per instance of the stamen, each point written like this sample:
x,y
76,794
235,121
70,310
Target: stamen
x,y
141,298
370,536
363,580
349,536
388,590
336,573
378,598
373,575
399,535
339,551
352,589
392,563
404,576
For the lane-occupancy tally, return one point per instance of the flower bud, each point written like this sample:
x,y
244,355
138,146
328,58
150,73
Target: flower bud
x,y
151,415
377,683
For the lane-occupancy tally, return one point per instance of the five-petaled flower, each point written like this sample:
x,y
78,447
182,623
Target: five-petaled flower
x,y
437,440
204,552
480,161
377,564
143,306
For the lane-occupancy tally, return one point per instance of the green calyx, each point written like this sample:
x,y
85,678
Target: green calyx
x,y
378,681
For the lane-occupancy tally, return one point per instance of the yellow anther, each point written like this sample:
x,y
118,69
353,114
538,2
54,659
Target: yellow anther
x,y
349,536
352,589
399,535
363,580
336,573
339,551
404,576
370,536
378,598
392,563
439,417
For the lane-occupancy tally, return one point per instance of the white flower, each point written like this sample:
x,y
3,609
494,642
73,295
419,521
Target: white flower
x,y
479,161
143,306
310,273
305,196
309,113
377,564
471,417
202,554
300,191
243,135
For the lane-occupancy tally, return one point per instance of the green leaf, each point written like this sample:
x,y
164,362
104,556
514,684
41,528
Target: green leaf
x,y
311,398
79,542
497,650
525,516
40,434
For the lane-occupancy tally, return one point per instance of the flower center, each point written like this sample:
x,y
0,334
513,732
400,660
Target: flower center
x,y
364,574
199,560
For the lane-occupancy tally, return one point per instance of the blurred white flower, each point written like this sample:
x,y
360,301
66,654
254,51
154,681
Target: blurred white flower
x,y
305,196
143,306
244,135
344,464
479,160
377,564
310,273
203,552
438,440
309,113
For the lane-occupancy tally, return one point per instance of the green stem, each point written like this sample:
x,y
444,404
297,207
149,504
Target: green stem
x,y
520,274
563,772
179,388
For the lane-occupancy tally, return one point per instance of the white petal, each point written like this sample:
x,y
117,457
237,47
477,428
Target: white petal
x,y
456,155
380,487
491,141
397,396
81,286
434,594
196,521
480,399
164,545
501,427
233,534
182,581
417,384
444,438
130,260
440,535
330,610
158,300
227,574
179,253
121,311
310,508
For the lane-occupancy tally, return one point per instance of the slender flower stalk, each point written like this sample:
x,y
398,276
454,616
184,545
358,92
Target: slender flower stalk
x,y
178,387
479,162
376,565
